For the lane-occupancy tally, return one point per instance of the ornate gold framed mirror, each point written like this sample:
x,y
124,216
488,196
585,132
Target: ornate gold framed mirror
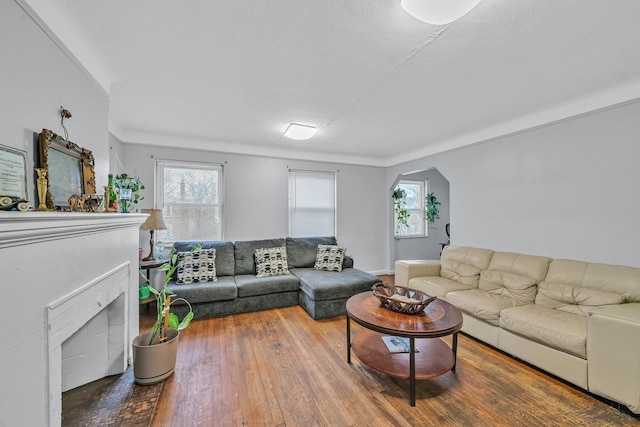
x,y
70,169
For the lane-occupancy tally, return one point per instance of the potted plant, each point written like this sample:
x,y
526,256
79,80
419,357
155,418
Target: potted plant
x,y
154,351
128,191
402,216
432,210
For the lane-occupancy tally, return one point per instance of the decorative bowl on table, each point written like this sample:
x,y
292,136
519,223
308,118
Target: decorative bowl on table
x,y
401,299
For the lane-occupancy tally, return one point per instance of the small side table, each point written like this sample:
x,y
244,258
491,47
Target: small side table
x,y
148,266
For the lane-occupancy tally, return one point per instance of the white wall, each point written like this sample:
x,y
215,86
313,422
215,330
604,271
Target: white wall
x,y
256,198
37,77
565,190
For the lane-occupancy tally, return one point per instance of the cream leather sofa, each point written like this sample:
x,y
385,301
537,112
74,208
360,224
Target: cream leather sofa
x,y
577,320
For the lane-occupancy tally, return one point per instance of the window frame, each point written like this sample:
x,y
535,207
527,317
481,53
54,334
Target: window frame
x,y
424,184
334,175
160,165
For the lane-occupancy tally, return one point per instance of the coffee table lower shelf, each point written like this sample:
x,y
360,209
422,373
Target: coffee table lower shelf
x,y
433,357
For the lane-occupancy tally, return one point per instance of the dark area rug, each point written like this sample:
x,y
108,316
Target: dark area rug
x,y
111,401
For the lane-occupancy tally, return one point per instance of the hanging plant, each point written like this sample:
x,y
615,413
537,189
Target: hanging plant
x,y
402,216
432,210
128,189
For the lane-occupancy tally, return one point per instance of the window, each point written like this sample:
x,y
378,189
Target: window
x,y
409,219
312,203
190,195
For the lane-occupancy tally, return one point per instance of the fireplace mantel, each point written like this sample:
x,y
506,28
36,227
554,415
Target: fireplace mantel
x,y
21,228
46,258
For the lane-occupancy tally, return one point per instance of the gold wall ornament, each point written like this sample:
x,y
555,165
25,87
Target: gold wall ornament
x,y
41,185
70,169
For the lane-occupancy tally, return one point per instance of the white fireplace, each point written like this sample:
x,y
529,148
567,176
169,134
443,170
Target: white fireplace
x,y
69,288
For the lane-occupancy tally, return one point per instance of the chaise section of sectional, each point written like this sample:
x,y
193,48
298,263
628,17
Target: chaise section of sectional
x,y
323,293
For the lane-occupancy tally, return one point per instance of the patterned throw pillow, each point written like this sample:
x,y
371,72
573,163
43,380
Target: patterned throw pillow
x,y
271,262
196,267
329,258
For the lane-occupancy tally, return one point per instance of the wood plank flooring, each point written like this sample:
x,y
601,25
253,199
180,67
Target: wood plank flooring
x,y
281,368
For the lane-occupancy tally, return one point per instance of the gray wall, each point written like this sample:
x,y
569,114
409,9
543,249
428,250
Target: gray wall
x,y
565,190
256,198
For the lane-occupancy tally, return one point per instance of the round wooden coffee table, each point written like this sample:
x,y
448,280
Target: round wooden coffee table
x,y
426,358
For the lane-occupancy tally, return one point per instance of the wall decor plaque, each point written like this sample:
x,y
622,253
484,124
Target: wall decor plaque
x,y
13,172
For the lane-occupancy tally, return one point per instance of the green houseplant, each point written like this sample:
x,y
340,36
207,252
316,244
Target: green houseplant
x,y
154,351
432,211
402,216
129,188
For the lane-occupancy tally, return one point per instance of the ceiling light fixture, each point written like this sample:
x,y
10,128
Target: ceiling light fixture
x,y
299,132
438,12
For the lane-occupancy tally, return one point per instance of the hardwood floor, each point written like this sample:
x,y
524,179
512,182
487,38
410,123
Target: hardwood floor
x,y
281,368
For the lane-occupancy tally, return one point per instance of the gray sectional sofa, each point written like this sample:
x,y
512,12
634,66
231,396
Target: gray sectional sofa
x,y
577,320
237,289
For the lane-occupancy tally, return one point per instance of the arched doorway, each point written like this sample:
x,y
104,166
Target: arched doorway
x,y
429,246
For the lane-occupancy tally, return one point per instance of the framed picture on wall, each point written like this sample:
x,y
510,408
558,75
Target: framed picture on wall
x,y
69,167
13,172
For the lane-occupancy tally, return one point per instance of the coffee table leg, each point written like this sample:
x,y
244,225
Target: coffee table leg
x,y
412,371
348,339
454,347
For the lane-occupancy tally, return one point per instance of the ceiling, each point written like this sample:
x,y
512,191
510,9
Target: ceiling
x,y
381,86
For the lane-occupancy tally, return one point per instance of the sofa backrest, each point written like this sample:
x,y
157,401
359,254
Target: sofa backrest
x,y
244,253
464,264
225,259
515,275
302,251
580,287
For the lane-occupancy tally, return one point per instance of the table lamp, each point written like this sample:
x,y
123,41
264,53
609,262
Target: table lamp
x,y
153,222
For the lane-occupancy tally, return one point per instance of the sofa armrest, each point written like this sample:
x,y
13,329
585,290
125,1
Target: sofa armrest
x,y
613,352
408,269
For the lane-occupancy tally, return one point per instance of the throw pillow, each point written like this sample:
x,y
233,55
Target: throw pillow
x,y
196,267
271,262
329,258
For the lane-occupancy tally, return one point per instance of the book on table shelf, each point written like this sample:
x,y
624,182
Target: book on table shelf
x,y
397,344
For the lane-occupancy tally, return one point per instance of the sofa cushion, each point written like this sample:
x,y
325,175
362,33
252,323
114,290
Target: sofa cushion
x,y
575,299
245,253
464,264
271,262
222,290
250,285
302,251
329,258
196,266
612,278
485,305
558,329
520,288
436,286
328,285
225,260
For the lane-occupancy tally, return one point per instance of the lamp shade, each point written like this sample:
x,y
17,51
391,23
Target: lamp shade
x,y
154,221
438,12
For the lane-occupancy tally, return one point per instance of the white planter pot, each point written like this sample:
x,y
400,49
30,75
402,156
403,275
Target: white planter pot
x,y
154,363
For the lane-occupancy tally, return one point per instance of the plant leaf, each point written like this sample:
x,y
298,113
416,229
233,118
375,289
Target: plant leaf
x,y
174,322
185,322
